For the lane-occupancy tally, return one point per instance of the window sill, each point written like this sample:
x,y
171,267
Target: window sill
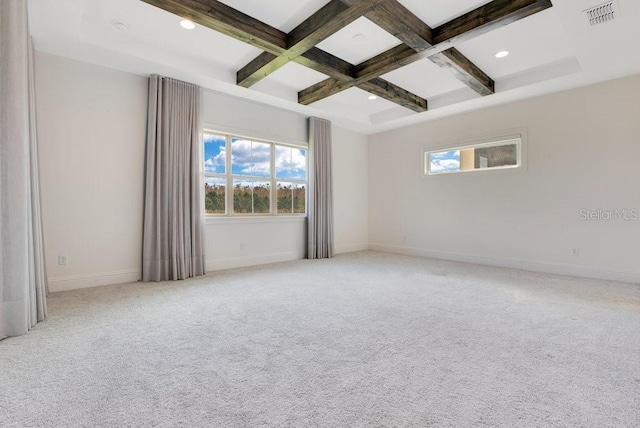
x,y
251,219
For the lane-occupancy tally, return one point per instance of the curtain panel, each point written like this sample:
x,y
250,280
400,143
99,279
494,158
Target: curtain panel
x,y
23,279
173,242
320,210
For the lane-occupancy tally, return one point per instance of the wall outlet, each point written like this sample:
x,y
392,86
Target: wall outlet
x,y
574,251
242,245
62,260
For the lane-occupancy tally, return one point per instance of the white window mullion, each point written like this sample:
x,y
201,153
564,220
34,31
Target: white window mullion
x,y
274,196
229,177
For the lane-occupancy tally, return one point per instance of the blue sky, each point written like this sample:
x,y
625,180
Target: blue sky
x,y
444,161
253,158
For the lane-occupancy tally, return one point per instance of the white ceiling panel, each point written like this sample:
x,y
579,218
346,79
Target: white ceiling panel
x,y
292,76
355,100
528,47
437,12
424,78
145,26
284,15
359,41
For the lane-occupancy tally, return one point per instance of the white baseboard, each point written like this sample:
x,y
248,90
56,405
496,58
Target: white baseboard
x,y
75,282
263,259
340,249
531,265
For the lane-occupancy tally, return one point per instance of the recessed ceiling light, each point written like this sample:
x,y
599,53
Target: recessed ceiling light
x,y
502,54
359,37
372,97
185,23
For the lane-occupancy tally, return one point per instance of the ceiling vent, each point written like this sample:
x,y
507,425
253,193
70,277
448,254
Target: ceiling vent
x,y
603,13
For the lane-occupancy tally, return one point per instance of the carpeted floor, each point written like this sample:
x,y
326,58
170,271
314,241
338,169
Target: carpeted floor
x,y
363,340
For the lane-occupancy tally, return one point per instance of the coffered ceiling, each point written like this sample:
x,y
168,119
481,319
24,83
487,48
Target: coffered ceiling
x,y
422,59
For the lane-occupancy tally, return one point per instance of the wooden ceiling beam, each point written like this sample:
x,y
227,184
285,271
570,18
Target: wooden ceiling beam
x,y
392,59
299,45
275,43
486,18
400,22
419,41
229,21
413,32
481,20
396,94
377,86
332,17
385,62
465,71
322,90
324,62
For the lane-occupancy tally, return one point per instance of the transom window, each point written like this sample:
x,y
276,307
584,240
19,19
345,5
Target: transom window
x,y
265,178
495,154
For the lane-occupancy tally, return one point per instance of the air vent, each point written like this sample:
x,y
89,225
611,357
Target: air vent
x,y
602,13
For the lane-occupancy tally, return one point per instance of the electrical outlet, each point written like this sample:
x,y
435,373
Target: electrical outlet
x,y
62,260
574,251
242,245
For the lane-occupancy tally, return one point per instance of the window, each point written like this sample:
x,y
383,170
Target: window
x,y
215,168
263,177
499,153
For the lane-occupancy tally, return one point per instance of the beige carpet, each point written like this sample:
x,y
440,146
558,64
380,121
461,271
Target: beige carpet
x,y
362,340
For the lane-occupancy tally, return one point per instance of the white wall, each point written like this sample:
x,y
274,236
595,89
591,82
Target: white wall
x,y
350,192
583,153
91,131
92,125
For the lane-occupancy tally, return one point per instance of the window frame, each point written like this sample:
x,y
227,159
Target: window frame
x,y
229,177
519,136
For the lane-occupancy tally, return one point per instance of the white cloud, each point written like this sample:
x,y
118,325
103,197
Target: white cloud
x,y
439,165
216,163
251,158
445,155
290,162
445,161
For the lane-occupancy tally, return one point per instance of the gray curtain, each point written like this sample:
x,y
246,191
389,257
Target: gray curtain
x,y
173,242
23,281
320,210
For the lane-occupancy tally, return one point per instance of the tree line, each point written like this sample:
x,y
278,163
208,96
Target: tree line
x,y
256,200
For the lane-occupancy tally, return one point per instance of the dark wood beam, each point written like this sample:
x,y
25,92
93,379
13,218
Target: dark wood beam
x,y
280,48
322,90
418,39
394,93
485,18
413,32
377,86
399,21
251,73
332,17
324,62
229,21
464,70
224,19
385,62
392,59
